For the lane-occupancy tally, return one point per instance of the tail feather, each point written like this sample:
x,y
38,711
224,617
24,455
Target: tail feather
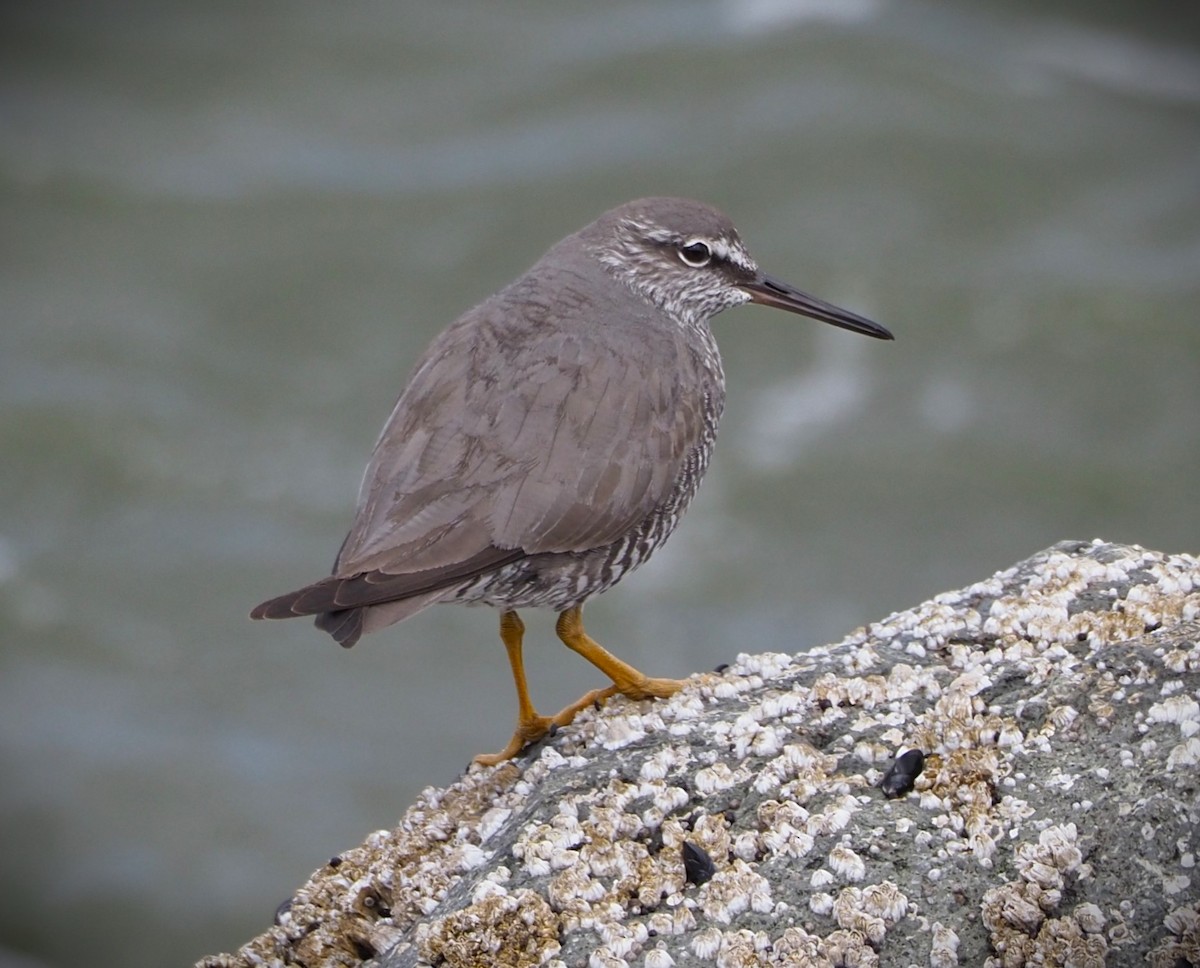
x,y
338,593
349,607
346,625
289,605
341,603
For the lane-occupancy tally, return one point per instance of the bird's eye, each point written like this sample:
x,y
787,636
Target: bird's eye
x,y
695,254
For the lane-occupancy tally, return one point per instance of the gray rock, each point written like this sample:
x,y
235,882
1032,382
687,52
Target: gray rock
x,y
1054,823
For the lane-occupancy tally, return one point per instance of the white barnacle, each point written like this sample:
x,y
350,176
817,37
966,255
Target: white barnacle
x,y
743,949
710,831
1060,841
707,943
492,821
658,958
617,732
745,845
885,900
761,902
574,885
1045,876
769,665
767,779
833,818
800,843
745,729
466,857
1008,905
658,765
971,682
670,798
486,889
931,801
621,937
661,923
730,891
846,864
603,957
820,878
616,859
536,866
766,742
795,947
1175,709
725,689
714,778
786,839
683,919
1089,917
685,705
849,913
671,920
1183,921
783,704
797,758
943,947
1185,754
870,752
983,847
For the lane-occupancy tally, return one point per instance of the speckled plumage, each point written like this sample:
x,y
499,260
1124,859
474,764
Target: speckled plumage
x,y
550,439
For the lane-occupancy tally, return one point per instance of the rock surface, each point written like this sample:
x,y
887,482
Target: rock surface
x,y
1054,823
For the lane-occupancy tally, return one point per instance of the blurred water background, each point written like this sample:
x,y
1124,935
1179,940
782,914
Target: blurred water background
x,y
228,230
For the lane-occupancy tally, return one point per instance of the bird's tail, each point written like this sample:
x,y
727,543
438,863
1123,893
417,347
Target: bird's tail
x,y
350,607
345,625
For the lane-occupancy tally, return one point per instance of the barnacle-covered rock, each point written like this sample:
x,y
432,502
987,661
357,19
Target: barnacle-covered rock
x,y
1057,706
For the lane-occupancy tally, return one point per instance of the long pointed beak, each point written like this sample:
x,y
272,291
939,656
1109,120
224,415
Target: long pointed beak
x,y
771,292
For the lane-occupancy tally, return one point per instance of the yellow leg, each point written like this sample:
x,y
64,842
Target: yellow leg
x,y
531,727
627,680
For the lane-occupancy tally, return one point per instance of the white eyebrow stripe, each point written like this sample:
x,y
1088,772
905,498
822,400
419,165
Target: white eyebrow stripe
x,y
656,235
722,249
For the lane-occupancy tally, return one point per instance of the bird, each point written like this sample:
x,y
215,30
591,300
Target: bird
x,y
549,440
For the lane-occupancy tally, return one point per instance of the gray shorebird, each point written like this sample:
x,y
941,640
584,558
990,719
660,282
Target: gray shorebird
x,y
550,439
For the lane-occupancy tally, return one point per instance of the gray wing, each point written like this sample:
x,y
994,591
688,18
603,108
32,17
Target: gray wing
x,y
525,438
527,427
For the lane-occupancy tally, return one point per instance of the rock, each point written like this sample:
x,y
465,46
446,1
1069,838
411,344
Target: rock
x,y
1054,821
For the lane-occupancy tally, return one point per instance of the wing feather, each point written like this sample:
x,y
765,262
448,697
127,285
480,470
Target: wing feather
x,y
522,431
541,421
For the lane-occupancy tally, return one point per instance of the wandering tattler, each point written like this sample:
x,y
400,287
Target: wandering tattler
x,y
550,439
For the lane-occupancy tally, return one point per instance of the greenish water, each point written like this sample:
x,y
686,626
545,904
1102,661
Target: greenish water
x,y
228,231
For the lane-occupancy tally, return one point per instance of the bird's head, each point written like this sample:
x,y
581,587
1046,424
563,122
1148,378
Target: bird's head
x,y
687,259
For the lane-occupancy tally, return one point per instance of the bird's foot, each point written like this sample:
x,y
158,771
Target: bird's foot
x,y
536,727
527,732
647,688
